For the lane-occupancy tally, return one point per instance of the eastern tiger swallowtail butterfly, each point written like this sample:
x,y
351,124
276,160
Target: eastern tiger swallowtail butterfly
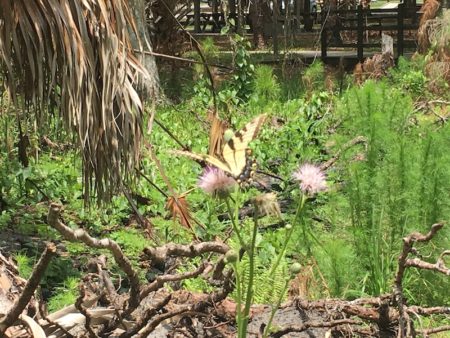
x,y
235,158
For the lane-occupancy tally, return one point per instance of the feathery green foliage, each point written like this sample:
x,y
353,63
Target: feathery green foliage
x,y
65,295
398,185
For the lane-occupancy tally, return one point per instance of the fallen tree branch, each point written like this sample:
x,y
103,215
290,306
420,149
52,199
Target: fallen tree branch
x,y
161,280
429,311
28,291
427,332
105,243
405,324
79,306
151,312
314,324
159,255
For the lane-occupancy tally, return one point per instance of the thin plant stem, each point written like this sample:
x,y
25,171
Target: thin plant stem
x,y
239,296
234,221
249,296
274,309
281,254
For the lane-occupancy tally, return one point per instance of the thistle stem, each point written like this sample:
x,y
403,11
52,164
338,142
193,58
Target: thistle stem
x,y
281,254
234,220
249,296
274,309
239,297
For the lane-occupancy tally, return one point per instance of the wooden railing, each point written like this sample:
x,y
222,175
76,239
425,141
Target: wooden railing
x,y
361,20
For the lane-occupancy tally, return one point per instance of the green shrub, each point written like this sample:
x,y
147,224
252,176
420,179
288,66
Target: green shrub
x,y
266,86
314,77
400,184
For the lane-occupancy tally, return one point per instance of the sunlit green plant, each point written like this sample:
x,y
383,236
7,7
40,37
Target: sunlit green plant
x,y
396,184
24,264
65,295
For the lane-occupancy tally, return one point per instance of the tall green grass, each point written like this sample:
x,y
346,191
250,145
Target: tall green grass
x,y
398,184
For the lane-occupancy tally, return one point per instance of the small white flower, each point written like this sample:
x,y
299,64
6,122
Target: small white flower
x,y
311,178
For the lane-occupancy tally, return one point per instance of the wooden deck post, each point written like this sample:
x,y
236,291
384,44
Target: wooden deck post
x,y
323,43
400,33
232,4
275,27
197,16
360,34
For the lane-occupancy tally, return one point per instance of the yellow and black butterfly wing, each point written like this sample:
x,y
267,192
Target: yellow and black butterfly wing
x,y
235,158
235,153
205,158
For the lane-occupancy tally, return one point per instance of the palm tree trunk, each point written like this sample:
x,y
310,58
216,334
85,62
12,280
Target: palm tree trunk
x,y
150,86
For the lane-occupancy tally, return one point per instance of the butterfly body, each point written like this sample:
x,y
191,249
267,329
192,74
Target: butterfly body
x,y
235,157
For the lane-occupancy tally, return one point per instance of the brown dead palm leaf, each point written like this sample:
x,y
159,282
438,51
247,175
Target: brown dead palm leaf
x,y
78,54
179,209
429,9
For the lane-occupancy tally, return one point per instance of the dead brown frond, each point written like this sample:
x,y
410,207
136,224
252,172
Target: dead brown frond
x,y
375,67
77,55
429,10
438,43
178,208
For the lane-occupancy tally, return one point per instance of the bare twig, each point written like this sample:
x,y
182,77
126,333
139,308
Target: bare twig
x,y
408,242
439,266
429,311
357,140
143,222
182,59
184,147
44,315
211,299
28,291
106,243
160,318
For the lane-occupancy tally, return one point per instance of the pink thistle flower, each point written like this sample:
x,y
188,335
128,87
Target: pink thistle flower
x,y
311,178
215,182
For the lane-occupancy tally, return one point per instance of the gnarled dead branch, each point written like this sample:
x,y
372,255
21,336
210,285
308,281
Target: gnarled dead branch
x,y
33,282
82,236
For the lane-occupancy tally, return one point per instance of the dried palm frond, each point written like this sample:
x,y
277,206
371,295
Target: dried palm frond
x,y
375,67
178,208
78,54
429,10
438,60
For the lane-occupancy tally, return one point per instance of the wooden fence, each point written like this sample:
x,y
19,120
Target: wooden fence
x,y
361,21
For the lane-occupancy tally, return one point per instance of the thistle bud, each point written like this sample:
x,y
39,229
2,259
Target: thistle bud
x,y
295,268
231,256
228,135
